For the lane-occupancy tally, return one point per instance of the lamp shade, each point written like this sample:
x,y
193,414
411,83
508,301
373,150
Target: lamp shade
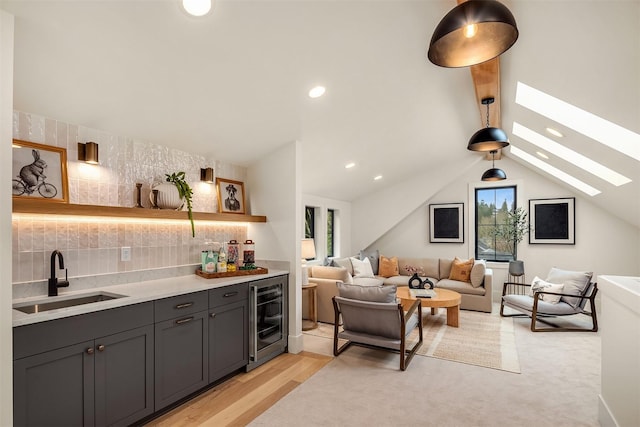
x,y
308,249
473,32
494,174
488,139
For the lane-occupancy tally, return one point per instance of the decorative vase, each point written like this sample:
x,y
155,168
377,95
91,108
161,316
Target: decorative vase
x,y
168,196
516,268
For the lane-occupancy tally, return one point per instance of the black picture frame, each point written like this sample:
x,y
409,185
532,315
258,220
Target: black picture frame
x,y
446,223
552,221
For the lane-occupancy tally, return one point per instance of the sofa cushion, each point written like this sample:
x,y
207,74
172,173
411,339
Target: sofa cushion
x,y
367,293
460,287
477,272
461,270
444,264
425,267
343,262
575,283
388,267
335,273
367,281
373,256
361,268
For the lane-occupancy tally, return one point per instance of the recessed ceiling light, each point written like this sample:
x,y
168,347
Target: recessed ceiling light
x,y
541,154
554,132
349,165
317,92
197,7
377,177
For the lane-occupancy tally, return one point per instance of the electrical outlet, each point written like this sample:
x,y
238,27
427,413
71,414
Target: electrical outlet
x,y
125,253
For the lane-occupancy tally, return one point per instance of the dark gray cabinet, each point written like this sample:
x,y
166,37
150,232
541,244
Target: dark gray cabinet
x,y
181,365
105,380
228,330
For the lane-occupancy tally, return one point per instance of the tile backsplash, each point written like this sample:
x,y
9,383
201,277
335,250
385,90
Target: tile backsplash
x,y
91,246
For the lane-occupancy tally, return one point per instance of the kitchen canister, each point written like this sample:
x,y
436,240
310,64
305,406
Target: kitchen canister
x,y
232,251
249,253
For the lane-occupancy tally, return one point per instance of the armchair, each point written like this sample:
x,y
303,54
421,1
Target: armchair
x,y
377,324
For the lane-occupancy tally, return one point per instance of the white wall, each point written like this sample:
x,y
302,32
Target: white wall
x,y
6,110
605,244
342,225
273,189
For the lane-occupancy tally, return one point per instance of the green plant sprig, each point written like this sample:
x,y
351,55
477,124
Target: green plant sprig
x,y
185,192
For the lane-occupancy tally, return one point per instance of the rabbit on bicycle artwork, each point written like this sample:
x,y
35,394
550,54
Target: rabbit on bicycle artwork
x,y
32,178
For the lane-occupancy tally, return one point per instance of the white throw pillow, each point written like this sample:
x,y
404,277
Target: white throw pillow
x,y
477,272
361,268
537,284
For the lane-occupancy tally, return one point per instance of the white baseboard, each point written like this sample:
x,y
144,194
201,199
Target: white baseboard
x,y
295,344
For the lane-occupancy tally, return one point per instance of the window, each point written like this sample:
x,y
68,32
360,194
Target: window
x,y
309,222
492,205
330,231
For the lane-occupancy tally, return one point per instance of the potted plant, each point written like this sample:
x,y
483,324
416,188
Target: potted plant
x,y
185,192
515,227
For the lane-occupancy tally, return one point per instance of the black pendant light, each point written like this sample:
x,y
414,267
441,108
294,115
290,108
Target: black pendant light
x,y
473,32
494,174
489,138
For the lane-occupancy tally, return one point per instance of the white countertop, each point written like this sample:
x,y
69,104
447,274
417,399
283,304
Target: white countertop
x,y
134,293
624,289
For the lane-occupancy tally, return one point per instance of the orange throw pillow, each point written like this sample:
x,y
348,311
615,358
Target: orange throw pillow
x,y
461,270
388,267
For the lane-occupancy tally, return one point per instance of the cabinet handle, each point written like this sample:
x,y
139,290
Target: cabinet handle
x,y
185,320
90,350
230,294
213,315
101,347
184,305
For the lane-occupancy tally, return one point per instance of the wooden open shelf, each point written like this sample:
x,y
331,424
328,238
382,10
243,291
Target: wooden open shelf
x,y
37,206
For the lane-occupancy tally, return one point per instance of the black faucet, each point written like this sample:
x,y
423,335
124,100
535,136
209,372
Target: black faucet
x,y
54,284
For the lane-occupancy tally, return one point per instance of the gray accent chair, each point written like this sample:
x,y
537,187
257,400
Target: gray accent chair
x,y
376,324
540,310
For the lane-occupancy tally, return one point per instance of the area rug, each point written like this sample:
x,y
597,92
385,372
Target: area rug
x,y
482,339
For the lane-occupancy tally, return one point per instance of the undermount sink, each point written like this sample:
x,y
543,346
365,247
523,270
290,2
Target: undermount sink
x,y
71,301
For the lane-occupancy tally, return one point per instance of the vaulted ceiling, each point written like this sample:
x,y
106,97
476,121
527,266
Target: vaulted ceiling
x,y
233,85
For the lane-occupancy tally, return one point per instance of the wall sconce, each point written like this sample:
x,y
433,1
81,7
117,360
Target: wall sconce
x,y
206,175
88,152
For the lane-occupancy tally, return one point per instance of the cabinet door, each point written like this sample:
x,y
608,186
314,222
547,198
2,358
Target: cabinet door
x,y
228,339
55,388
180,357
124,376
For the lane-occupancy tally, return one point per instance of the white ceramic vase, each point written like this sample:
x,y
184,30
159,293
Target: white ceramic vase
x,y
168,196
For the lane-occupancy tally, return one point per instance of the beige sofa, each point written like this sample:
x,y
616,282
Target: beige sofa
x,y
436,269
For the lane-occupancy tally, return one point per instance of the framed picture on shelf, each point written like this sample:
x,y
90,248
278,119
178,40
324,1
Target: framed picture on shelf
x,y
446,223
230,196
39,172
552,221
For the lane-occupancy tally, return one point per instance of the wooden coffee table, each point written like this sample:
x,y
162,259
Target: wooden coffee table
x,y
445,298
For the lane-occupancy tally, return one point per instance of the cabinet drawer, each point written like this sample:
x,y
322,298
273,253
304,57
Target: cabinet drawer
x,y
228,294
180,305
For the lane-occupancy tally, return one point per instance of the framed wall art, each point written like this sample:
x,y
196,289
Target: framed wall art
x,y
230,196
552,221
39,172
446,223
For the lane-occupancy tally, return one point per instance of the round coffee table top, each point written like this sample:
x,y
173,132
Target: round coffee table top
x,y
444,298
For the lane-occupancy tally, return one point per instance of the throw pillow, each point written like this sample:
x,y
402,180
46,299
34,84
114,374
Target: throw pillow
x,y
388,267
361,268
461,270
575,283
343,262
477,272
367,293
373,256
537,284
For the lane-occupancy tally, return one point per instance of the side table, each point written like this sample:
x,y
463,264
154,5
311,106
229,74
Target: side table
x,y
311,322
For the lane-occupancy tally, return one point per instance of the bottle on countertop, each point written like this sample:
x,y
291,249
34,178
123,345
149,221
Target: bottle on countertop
x,y
210,266
222,262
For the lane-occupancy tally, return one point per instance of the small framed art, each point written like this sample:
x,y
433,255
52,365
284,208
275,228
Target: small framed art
x,y
446,223
552,221
230,196
39,172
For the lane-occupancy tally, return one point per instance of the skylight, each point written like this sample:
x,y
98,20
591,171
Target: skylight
x,y
569,155
588,124
571,180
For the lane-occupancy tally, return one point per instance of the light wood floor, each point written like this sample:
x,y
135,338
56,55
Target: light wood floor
x,y
242,398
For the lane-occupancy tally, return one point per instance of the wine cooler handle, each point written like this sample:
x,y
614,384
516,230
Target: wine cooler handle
x,y
253,344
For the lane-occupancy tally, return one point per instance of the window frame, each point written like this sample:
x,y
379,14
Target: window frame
x,y
473,195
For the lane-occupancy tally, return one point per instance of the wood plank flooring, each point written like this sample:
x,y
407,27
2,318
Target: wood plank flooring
x,y
242,398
